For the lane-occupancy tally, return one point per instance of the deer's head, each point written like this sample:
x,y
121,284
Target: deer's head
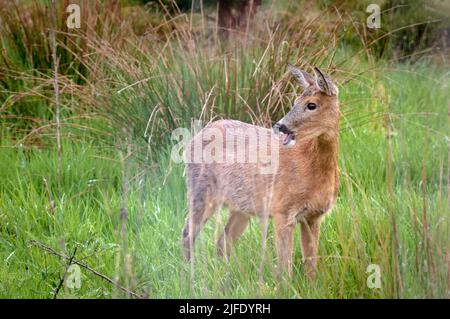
x,y
315,112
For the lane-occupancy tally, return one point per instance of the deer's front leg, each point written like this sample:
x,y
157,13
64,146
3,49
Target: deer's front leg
x,y
310,230
283,237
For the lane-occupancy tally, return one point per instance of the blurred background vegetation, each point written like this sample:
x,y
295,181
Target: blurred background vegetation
x,y
410,30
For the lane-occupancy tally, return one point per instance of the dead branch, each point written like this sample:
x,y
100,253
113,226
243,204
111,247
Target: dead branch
x,y
61,281
85,266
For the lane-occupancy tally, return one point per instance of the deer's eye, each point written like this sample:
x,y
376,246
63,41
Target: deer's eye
x,y
311,106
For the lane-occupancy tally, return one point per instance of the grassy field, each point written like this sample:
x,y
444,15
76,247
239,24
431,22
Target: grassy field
x,y
121,202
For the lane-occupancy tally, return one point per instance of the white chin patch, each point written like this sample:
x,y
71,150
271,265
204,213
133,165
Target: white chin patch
x,y
290,143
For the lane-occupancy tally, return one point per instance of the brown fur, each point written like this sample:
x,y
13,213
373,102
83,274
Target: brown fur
x,y
301,191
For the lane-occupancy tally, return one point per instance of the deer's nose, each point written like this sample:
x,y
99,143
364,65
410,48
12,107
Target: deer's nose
x,y
281,128
276,127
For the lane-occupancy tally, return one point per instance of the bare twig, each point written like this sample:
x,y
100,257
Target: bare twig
x,y
85,266
61,282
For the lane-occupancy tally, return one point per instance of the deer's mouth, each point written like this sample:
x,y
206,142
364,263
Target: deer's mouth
x,y
289,135
288,138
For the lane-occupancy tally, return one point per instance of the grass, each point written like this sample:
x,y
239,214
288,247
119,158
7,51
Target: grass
x,y
142,251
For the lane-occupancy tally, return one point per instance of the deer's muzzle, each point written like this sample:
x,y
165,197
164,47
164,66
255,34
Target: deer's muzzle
x,y
283,129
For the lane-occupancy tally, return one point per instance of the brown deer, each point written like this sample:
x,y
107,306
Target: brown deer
x,y
300,190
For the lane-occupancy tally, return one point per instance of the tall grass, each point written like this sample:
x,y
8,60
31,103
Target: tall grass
x,y
122,202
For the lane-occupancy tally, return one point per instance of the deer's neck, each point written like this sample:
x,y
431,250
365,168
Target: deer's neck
x,y
319,155
326,153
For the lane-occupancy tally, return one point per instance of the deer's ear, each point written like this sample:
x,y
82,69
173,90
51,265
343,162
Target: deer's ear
x,y
302,77
324,83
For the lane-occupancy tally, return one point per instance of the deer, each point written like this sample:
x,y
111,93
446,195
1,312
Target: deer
x,y
300,191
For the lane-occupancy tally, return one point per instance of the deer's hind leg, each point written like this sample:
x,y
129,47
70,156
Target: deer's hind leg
x,y
235,227
201,207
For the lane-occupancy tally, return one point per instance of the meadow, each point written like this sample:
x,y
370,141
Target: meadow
x,y
113,199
